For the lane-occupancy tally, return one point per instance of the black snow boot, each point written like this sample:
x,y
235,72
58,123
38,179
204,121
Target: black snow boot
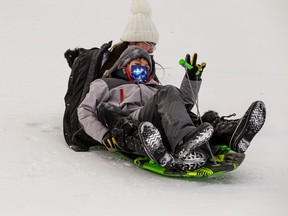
x,y
126,134
249,125
194,139
135,137
142,139
238,133
152,142
109,114
223,127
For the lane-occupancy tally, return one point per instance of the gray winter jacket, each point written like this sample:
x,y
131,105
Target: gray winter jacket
x,y
128,96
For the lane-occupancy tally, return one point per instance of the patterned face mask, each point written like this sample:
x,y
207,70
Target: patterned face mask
x,y
139,74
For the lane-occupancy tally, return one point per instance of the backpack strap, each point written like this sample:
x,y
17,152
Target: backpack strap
x,y
95,67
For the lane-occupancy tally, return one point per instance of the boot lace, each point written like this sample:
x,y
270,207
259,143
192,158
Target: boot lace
x,y
223,118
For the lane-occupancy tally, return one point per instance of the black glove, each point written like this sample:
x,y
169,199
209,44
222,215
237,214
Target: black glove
x,y
109,142
197,70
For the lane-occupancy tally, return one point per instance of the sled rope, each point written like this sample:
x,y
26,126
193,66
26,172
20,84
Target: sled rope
x,y
198,111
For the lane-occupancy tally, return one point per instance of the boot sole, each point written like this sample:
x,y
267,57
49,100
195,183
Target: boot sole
x,y
252,126
200,138
153,145
192,161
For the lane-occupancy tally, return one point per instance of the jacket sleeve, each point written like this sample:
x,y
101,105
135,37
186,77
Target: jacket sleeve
x,y
190,90
87,110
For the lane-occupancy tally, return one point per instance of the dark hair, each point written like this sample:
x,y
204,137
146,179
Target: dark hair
x,y
113,55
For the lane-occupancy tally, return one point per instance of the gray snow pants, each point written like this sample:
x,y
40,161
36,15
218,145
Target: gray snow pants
x,y
167,111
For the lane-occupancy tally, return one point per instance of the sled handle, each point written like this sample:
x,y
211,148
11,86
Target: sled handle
x,y
185,64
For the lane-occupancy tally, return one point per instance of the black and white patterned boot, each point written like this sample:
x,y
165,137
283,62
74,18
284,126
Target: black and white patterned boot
x,y
248,126
193,160
152,142
194,139
236,133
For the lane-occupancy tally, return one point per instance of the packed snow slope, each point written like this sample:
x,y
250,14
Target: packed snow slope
x,y
244,44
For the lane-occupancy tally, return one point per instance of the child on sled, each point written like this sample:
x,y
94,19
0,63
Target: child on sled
x,y
128,111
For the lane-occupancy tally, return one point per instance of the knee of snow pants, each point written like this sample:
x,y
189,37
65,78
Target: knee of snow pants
x,y
167,111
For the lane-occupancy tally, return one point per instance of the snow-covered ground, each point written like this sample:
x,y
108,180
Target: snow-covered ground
x,y
244,44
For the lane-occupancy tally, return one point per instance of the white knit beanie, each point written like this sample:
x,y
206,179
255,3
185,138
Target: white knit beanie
x,y
140,26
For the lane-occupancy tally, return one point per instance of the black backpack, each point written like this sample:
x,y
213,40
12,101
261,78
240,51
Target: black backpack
x,y
85,67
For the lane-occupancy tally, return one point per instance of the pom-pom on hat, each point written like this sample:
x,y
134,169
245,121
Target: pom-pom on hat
x,y
140,26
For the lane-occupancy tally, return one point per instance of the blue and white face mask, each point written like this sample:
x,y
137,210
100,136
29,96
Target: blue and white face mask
x,y
139,74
